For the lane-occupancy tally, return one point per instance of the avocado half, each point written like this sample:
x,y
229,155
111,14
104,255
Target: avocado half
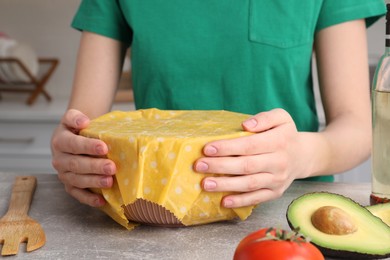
x,y
382,211
370,240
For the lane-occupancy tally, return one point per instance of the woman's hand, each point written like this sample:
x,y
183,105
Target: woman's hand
x,y
80,161
262,166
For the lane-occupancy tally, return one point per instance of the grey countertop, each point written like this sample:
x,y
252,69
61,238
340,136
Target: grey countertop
x,y
76,231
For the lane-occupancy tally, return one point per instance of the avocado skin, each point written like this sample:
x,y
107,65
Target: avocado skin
x,y
348,255
340,254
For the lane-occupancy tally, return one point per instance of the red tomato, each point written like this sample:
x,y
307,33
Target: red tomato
x,y
276,244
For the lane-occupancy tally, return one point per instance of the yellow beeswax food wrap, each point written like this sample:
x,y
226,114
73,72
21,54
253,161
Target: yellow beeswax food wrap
x,y
154,152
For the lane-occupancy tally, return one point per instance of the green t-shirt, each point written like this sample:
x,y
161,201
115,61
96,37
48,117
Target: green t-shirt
x,y
245,56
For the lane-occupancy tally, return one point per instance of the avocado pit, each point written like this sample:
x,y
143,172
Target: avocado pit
x,y
333,221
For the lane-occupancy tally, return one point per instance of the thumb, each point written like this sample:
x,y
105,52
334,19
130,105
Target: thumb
x,y
75,119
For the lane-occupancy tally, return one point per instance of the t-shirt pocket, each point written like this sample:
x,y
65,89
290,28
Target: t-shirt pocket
x,y
281,23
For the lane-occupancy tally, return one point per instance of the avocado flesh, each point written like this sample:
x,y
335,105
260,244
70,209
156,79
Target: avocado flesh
x,y
382,211
370,241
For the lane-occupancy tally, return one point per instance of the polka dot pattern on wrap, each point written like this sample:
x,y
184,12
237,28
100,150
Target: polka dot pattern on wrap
x,y
154,152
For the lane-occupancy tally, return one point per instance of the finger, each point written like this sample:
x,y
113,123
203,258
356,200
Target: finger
x,y
84,164
241,165
86,197
83,181
68,142
250,198
268,139
242,183
267,120
74,119
261,143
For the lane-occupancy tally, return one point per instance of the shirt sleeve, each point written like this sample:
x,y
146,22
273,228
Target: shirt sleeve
x,y
335,11
103,17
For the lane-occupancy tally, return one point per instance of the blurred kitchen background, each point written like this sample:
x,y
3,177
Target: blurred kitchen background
x,y
44,25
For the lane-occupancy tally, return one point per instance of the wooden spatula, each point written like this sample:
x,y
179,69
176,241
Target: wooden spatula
x,y
16,226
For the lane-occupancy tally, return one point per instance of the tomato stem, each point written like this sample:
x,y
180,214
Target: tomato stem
x,y
282,235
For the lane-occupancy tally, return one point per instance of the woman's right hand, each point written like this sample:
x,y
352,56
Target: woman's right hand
x,y
80,162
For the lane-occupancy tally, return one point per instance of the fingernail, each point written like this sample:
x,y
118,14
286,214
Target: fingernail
x,y
80,121
107,169
201,167
227,203
210,185
99,202
99,150
250,123
210,150
105,182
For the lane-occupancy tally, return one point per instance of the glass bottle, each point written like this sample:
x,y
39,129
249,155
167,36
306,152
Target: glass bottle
x,y
381,125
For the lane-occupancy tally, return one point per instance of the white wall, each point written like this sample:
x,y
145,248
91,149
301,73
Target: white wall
x,y
45,25
376,38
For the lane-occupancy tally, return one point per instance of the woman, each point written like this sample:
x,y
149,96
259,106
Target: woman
x,y
250,56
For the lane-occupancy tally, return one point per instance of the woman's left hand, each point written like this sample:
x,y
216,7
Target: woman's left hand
x,y
262,166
